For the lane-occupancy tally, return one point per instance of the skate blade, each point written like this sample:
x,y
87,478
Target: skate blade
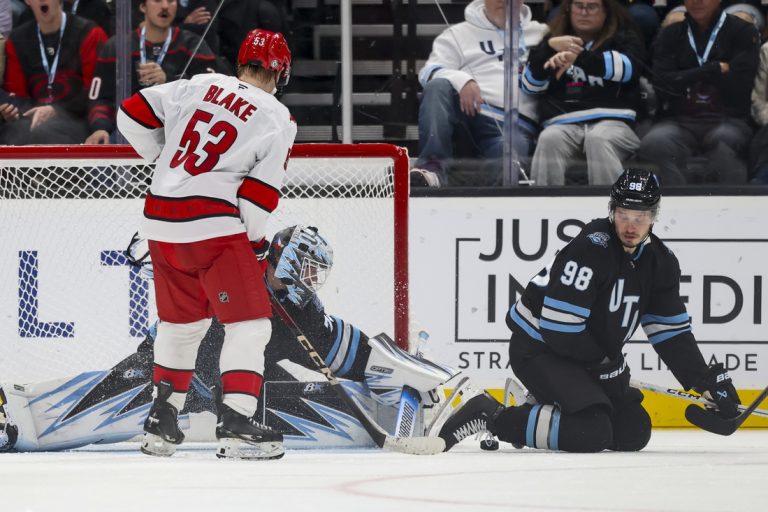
x,y
231,448
155,445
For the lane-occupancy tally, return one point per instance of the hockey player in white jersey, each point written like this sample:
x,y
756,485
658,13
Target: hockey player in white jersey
x,y
109,406
220,146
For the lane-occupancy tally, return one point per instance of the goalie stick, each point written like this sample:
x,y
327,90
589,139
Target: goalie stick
x,y
684,395
712,422
412,445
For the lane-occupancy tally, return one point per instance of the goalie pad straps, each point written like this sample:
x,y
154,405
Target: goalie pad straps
x,y
242,363
389,368
175,353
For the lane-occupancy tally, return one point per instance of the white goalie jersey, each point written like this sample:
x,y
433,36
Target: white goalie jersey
x,y
220,147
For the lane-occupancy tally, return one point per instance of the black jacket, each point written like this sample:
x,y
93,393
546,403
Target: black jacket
x,y
678,77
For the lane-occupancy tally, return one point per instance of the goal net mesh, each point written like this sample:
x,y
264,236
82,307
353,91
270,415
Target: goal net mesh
x,y
71,302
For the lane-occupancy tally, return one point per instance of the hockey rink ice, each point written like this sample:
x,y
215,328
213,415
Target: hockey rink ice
x,y
680,471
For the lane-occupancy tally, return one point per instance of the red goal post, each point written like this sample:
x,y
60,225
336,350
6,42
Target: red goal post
x,y
69,302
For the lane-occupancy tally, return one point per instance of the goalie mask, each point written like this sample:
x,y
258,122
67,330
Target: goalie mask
x,y
302,260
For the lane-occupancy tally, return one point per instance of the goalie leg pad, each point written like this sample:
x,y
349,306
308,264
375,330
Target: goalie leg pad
x,y
436,416
9,432
389,368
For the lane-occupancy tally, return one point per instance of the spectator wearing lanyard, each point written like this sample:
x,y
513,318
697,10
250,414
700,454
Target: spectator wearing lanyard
x,y
159,54
49,67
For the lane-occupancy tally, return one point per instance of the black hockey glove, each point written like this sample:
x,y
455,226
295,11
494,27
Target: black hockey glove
x,y
717,386
613,376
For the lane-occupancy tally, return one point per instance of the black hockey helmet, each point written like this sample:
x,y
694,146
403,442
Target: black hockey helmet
x,y
302,259
636,189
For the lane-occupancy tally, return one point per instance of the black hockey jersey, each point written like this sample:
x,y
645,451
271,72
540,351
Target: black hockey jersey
x,y
601,84
594,295
343,347
101,110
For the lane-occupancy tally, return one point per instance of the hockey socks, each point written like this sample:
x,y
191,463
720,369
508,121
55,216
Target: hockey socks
x,y
547,427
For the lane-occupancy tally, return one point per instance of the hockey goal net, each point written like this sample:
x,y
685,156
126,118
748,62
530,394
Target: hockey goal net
x,y
69,301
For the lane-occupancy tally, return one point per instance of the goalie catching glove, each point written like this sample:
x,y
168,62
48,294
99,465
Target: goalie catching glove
x,y
716,385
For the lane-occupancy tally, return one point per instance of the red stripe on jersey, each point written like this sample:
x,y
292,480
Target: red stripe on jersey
x,y
259,193
241,381
179,379
137,108
185,209
15,79
88,53
100,112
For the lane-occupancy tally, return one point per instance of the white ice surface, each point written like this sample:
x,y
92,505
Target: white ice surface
x,y
685,471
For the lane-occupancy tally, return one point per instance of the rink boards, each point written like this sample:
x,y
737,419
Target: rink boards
x,y
468,256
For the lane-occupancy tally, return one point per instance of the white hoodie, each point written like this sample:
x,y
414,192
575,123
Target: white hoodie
x,y
474,49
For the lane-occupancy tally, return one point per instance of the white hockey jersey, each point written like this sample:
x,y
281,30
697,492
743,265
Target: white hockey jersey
x,y
220,148
474,50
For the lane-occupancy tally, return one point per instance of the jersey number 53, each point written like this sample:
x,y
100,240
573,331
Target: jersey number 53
x,y
190,140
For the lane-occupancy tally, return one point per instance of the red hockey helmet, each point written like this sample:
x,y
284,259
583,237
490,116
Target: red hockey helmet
x,y
267,50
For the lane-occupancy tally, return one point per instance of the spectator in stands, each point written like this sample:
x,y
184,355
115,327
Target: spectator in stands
x,y
703,69
95,10
6,18
6,22
235,19
586,75
642,13
748,10
238,17
49,67
463,82
159,53
758,152
195,15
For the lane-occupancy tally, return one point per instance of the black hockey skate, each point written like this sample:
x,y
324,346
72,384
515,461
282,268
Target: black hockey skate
x,y
161,428
473,418
9,433
242,437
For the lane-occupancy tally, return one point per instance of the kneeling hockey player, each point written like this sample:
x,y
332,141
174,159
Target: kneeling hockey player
x,y
112,405
569,329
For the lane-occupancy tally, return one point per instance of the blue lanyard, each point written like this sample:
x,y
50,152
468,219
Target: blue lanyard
x,y
703,58
143,50
74,6
50,70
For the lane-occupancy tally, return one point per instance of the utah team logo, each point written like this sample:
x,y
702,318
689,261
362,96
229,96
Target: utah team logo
x,y
223,297
599,238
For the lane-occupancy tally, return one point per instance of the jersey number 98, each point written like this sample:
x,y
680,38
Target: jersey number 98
x,y
577,276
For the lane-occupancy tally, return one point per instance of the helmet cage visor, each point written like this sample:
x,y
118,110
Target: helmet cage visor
x,y
304,265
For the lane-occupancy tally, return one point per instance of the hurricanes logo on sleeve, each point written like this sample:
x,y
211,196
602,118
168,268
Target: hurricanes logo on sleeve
x,y
223,297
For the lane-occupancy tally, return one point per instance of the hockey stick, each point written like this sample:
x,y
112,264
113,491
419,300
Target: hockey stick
x,y
684,395
712,422
413,445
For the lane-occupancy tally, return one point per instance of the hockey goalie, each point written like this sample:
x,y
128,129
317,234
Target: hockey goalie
x,y
405,392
